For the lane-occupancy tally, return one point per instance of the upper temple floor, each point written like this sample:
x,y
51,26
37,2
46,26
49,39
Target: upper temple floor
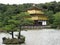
x,y
35,10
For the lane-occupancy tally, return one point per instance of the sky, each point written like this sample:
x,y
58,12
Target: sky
x,y
25,1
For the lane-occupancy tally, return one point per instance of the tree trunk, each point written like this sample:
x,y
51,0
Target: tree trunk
x,y
12,35
19,33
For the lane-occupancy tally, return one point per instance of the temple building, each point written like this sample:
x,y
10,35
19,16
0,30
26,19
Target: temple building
x,y
37,15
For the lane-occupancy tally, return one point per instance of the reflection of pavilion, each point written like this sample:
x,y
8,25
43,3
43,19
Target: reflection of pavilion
x,y
37,15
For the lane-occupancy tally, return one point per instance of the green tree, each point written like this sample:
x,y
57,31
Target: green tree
x,y
10,28
57,20
14,22
50,16
22,19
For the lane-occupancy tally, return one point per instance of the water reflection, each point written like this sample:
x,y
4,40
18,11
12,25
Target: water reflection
x,y
38,37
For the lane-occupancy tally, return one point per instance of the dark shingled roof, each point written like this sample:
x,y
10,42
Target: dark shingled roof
x,y
34,7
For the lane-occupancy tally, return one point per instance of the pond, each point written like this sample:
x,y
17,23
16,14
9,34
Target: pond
x,y
37,37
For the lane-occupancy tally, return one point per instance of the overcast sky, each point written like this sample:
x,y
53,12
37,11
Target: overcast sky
x,y
24,1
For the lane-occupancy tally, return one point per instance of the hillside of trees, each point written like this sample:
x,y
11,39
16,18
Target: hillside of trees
x,y
50,9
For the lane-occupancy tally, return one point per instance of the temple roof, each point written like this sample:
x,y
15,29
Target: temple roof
x,y
34,7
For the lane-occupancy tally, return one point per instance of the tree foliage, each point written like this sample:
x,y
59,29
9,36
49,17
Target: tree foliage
x,y
50,16
13,22
11,14
57,20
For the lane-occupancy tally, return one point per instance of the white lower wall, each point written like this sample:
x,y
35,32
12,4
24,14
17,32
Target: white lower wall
x,y
44,23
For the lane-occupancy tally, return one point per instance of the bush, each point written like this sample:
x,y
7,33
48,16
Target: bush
x,y
14,40
53,26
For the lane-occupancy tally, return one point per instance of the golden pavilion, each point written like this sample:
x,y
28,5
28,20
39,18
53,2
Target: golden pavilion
x,y
37,15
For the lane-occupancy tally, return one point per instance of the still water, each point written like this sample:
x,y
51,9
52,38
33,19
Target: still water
x,y
37,37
